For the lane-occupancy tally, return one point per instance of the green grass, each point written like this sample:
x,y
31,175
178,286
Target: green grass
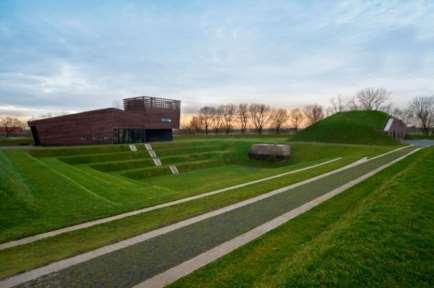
x,y
144,174
44,193
15,141
80,150
357,127
41,192
103,157
377,234
111,166
26,257
419,136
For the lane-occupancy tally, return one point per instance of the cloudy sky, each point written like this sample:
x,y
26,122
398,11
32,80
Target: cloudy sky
x,y
77,55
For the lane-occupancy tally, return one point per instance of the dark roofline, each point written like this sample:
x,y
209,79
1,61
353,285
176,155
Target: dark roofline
x,y
37,121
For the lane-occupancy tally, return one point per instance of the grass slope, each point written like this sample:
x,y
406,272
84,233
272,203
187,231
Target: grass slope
x,y
419,136
40,192
15,141
358,127
377,234
26,257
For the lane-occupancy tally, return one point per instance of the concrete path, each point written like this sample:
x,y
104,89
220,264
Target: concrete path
x,y
141,259
420,143
100,221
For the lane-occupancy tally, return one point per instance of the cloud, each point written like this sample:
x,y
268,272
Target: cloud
x,y
78,55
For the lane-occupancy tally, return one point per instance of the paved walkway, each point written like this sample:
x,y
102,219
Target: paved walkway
x,y
420,143
143,260
100,221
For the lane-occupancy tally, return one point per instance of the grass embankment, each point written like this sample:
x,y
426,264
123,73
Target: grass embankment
x,y
26,257
377,234
419,137
357,127
15,141
41,194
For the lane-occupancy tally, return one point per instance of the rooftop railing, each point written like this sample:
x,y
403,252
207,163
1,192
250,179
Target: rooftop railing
x,y
151,103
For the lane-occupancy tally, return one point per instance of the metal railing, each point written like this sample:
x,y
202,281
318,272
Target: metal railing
x,y
148,102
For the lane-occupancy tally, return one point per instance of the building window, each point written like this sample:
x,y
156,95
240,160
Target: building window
x,y
166,120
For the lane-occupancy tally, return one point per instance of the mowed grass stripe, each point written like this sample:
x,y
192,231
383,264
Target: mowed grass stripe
x,y
68,204
126,166
69,179
103,158
78,150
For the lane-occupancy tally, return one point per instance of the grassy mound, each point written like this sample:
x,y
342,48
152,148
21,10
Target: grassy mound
x,y
356,127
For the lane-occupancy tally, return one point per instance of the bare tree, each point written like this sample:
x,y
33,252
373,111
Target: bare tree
x,y
243,116
258,114
10,125
351,104
422,109
408,117
296,118
278,118
313,113
228,113
372,98
217,119
336,105
206,115
195,124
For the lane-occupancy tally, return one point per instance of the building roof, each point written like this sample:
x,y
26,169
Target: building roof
x,y
38,121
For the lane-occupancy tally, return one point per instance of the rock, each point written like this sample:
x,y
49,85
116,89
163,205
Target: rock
x,y
272,152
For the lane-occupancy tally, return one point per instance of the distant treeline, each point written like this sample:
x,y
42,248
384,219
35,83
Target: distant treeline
x,y
256,117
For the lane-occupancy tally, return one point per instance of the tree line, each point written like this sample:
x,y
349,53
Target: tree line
x,y
10,125
257,116
254,116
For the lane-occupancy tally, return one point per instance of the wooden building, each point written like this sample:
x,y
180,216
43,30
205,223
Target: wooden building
x,y
143,119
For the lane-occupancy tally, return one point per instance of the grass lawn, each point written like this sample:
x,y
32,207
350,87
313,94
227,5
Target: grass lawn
x,y
377,234
22,258
358,127
419,136
15,141
41,191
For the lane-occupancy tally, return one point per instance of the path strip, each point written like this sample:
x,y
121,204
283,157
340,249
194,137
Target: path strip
x,y
53,233
131,261
209,256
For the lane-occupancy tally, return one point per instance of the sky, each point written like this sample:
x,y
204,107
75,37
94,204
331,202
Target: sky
x,y
69,56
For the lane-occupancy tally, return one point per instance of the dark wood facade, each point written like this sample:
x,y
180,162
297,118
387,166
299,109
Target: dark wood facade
x,y
143,119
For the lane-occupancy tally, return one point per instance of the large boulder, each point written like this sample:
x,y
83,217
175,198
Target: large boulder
x,y
272,152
